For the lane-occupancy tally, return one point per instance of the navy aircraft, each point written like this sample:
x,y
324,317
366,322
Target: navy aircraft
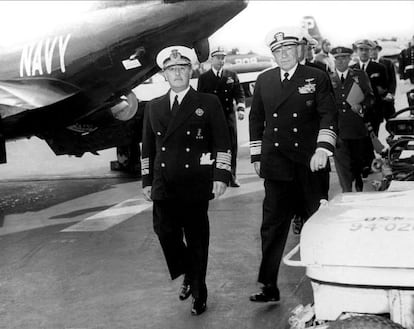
x,y
67,76
309,24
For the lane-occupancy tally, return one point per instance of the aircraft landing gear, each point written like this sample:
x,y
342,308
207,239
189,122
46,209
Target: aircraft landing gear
x,y
128,159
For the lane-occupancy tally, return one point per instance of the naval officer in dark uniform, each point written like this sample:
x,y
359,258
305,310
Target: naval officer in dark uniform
x,y
352,130
406,62
293,123
378,79
225,84
185,163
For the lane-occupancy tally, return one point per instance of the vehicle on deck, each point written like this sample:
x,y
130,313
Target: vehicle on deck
x,y
357,249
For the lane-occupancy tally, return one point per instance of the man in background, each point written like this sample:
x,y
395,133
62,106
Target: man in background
x,y
352,131
225,84
406,62
388,99
324,56
378,79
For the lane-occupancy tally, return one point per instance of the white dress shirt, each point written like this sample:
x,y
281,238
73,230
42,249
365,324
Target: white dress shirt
x,y
344,73
219,71
180,95
290,72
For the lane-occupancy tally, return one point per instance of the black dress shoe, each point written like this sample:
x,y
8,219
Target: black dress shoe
x,y
199,306
267,294
185,291
234,183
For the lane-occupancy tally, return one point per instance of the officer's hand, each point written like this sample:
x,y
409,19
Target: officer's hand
x,y
389,97
240,115
147,193
218,189
257,167
319,160
357,108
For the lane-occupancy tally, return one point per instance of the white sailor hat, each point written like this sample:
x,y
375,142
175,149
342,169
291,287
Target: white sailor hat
x,y
175,55
218,51
284,36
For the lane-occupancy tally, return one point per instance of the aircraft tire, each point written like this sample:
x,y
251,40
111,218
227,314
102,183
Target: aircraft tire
x,y
365,322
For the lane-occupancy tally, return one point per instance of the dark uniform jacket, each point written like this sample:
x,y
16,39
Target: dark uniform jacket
x,y
377,75
287,126
390,70
406,63
351,125
227,88
178,151
319,65
378,78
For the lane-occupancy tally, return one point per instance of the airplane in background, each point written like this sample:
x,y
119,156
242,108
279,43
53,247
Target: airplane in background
x,y
68,77
247,66
392,48
309,25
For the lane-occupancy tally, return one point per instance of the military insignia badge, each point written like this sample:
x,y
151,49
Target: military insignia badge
x,y
199,112
308,87
206,159
279,36
199,134
175,54
374,75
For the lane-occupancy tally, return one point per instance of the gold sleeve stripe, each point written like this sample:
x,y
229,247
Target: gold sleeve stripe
x,y
223,157
255,147
327,136
223,166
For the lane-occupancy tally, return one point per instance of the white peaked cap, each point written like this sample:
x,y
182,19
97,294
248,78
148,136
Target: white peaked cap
x,y
285,35
175,55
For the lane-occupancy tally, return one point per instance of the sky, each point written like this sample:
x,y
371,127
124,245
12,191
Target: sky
x,y
342,22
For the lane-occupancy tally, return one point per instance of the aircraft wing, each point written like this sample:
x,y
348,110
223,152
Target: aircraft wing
x,y
21,95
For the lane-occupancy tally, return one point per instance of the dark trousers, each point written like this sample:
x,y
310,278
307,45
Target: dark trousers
x,y
349,163
232,124
174,220
282,198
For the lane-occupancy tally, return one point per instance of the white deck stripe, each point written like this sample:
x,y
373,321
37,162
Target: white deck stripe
x,y
109,217
126,209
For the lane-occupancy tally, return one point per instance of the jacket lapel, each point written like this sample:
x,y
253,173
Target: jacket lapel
x,y
164,115
295,81
336,79
187,107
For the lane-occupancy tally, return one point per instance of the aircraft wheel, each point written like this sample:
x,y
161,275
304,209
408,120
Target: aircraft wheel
x,y
128,159
365,322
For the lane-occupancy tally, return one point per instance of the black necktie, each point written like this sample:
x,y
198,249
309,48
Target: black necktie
x,y
342,78
363,67
285,80
175,106
218,74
